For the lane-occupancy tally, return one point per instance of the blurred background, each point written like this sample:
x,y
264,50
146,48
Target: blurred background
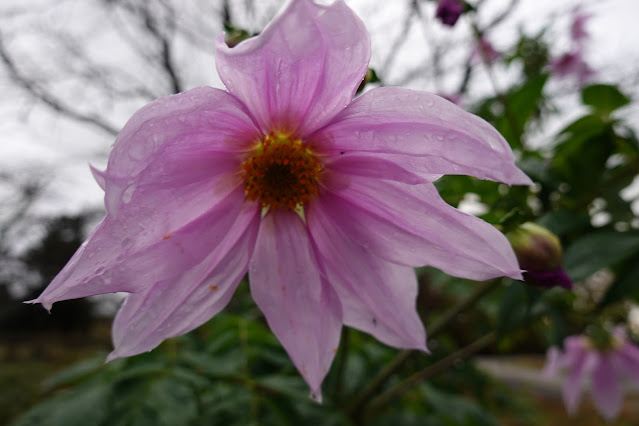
x,y
73,71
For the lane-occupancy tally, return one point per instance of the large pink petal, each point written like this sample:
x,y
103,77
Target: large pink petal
x,y
447,139
299,306
373,166
113,259
163,139
412,225
302,69
606,389
377,297
176,305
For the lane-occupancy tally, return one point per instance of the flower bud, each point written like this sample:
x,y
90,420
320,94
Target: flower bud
x,y
449,11
539,254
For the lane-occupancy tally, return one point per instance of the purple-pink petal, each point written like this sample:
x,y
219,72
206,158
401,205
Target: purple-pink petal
x,y
376,167
626,360
413,226
377,297
180,303
606,388
300,307
301,70
112,260
441,137
573,384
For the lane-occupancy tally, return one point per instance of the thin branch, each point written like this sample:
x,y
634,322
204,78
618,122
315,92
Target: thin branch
x,y
383,399
48,99
449,316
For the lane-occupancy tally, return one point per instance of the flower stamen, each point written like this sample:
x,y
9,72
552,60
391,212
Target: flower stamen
x,y
281,172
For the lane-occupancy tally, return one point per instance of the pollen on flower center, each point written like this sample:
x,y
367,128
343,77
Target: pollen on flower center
x,y
281,172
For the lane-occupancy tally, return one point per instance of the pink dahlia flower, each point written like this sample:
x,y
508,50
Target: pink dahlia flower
x,y
605,367
327,202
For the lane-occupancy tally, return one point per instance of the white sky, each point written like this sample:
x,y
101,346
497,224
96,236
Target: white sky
x,y
44,142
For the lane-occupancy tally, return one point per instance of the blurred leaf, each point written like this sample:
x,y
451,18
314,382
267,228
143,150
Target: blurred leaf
x,y
604,98
75,374
626,285
513,308
522,104
563,221
595,251
83,406
161,400
580,157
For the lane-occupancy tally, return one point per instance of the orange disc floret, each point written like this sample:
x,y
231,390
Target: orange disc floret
x,y
281,172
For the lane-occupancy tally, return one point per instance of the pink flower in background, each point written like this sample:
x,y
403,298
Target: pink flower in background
x,y
573,65
327,202
449,11
578,31
605,367
485,51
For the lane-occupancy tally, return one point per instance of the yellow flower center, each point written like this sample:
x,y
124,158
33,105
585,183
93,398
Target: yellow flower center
x,y
281,172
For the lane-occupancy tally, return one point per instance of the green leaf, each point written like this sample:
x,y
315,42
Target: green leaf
x,y
523,103
83,406
599,250
163,400
604,98
580,157
75,374
563,221
625,286
513,308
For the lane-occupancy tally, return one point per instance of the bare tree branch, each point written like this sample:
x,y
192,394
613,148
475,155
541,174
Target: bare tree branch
x,y
47,98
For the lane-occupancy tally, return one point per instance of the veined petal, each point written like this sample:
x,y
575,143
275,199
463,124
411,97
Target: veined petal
x,y
301,70
179,304
447,139
112,261
414,226
377,297
199,120
300,307
606,389
372,166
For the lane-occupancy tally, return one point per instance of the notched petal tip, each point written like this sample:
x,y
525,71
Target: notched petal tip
x,y
316,395
99,176
45,304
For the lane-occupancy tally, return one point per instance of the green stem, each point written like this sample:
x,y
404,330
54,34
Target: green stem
x,y
361,400
386,397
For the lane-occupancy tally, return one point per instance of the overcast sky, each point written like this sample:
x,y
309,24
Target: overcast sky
x,y
34,139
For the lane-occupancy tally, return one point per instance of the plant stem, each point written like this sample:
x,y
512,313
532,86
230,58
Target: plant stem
x,y
361,400
429,371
